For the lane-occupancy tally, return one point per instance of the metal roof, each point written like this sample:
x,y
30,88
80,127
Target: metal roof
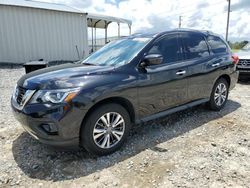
x,y
100,21
40,5
94,20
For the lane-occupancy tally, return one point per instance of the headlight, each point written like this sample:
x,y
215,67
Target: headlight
x,y
54,96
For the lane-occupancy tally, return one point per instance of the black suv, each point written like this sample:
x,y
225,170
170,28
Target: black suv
x,y
94,103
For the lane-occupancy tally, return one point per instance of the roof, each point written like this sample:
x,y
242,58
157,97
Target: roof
x,y
40,5
98,20
94,20
154,34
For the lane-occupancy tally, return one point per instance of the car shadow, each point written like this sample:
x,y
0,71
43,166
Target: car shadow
x,y
39,161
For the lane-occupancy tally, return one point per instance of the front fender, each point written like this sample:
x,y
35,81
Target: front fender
x,y
107,88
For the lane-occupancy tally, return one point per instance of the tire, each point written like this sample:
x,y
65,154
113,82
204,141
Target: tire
x,y
217,96
93,141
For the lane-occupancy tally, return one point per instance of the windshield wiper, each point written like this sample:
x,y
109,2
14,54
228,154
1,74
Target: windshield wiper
x,y
88,64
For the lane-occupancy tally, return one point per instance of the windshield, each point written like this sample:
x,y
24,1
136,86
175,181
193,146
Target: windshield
x,y
246,47
118,52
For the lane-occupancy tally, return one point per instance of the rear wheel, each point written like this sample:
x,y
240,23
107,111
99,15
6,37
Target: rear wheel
x,y
219,94
106,129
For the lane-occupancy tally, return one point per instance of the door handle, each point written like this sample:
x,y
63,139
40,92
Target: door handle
x,y
181,72
215,64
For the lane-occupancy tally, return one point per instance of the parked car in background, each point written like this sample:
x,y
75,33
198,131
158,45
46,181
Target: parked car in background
x,y
139,78
244,62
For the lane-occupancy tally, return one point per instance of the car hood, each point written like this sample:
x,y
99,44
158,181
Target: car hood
x,y
62,76
244,54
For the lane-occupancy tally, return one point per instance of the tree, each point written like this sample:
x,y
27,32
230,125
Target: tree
x,y
238,45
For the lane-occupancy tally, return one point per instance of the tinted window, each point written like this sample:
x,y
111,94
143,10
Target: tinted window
x,y
168,47
195,46
217,45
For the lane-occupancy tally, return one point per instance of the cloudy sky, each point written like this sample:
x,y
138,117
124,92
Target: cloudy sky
x,y
160,15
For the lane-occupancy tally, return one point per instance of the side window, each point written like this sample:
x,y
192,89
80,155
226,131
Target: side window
x,y
216,44
169,48
195,46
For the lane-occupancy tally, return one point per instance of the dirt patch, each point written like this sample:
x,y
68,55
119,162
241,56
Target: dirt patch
x,y
192,148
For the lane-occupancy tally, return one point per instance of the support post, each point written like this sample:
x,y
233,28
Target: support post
x,y
106,33
95,38
118,30
129,26
228,15
92,33
180,21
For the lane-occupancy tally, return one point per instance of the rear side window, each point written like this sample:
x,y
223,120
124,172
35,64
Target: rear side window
x,y
217,45
195,45
168,47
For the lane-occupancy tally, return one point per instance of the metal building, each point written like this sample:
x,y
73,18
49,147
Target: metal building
x,y
31,30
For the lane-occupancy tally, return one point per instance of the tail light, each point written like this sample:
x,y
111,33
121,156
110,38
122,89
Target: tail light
x,y
235,59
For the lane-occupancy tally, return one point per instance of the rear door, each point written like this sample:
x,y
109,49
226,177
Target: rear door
x,y
202,65
163,86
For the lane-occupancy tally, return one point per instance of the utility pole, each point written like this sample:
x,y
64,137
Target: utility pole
x,y
180,21
228,15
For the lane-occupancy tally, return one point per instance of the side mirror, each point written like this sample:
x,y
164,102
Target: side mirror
x,y
152,59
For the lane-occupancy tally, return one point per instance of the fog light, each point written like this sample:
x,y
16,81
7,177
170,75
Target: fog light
x,y
50,128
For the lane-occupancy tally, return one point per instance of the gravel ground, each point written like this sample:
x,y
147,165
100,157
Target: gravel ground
x,y
193,148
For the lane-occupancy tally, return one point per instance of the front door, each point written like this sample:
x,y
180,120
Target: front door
x,y
165,85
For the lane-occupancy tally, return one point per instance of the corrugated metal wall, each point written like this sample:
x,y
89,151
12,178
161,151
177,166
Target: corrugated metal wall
x,y
30,34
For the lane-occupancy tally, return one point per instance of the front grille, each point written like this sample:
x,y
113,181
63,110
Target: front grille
x,y
244,63
20,94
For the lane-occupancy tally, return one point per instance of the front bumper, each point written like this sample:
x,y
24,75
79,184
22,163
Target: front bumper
x,y
244,72
67,123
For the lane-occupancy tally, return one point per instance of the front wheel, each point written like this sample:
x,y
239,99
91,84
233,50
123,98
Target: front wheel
x,y
219,94
106,129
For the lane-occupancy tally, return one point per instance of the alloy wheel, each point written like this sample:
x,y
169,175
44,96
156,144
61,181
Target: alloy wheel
x,y
108,130
220,94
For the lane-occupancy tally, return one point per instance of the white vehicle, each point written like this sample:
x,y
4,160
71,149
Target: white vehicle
x,y
244,62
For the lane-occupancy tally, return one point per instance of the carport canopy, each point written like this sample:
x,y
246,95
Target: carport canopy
x,y
102,22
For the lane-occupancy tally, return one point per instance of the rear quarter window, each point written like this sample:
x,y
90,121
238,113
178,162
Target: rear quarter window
x,y
217,45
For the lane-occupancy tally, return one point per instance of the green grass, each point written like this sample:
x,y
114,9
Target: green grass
x,y
235,50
